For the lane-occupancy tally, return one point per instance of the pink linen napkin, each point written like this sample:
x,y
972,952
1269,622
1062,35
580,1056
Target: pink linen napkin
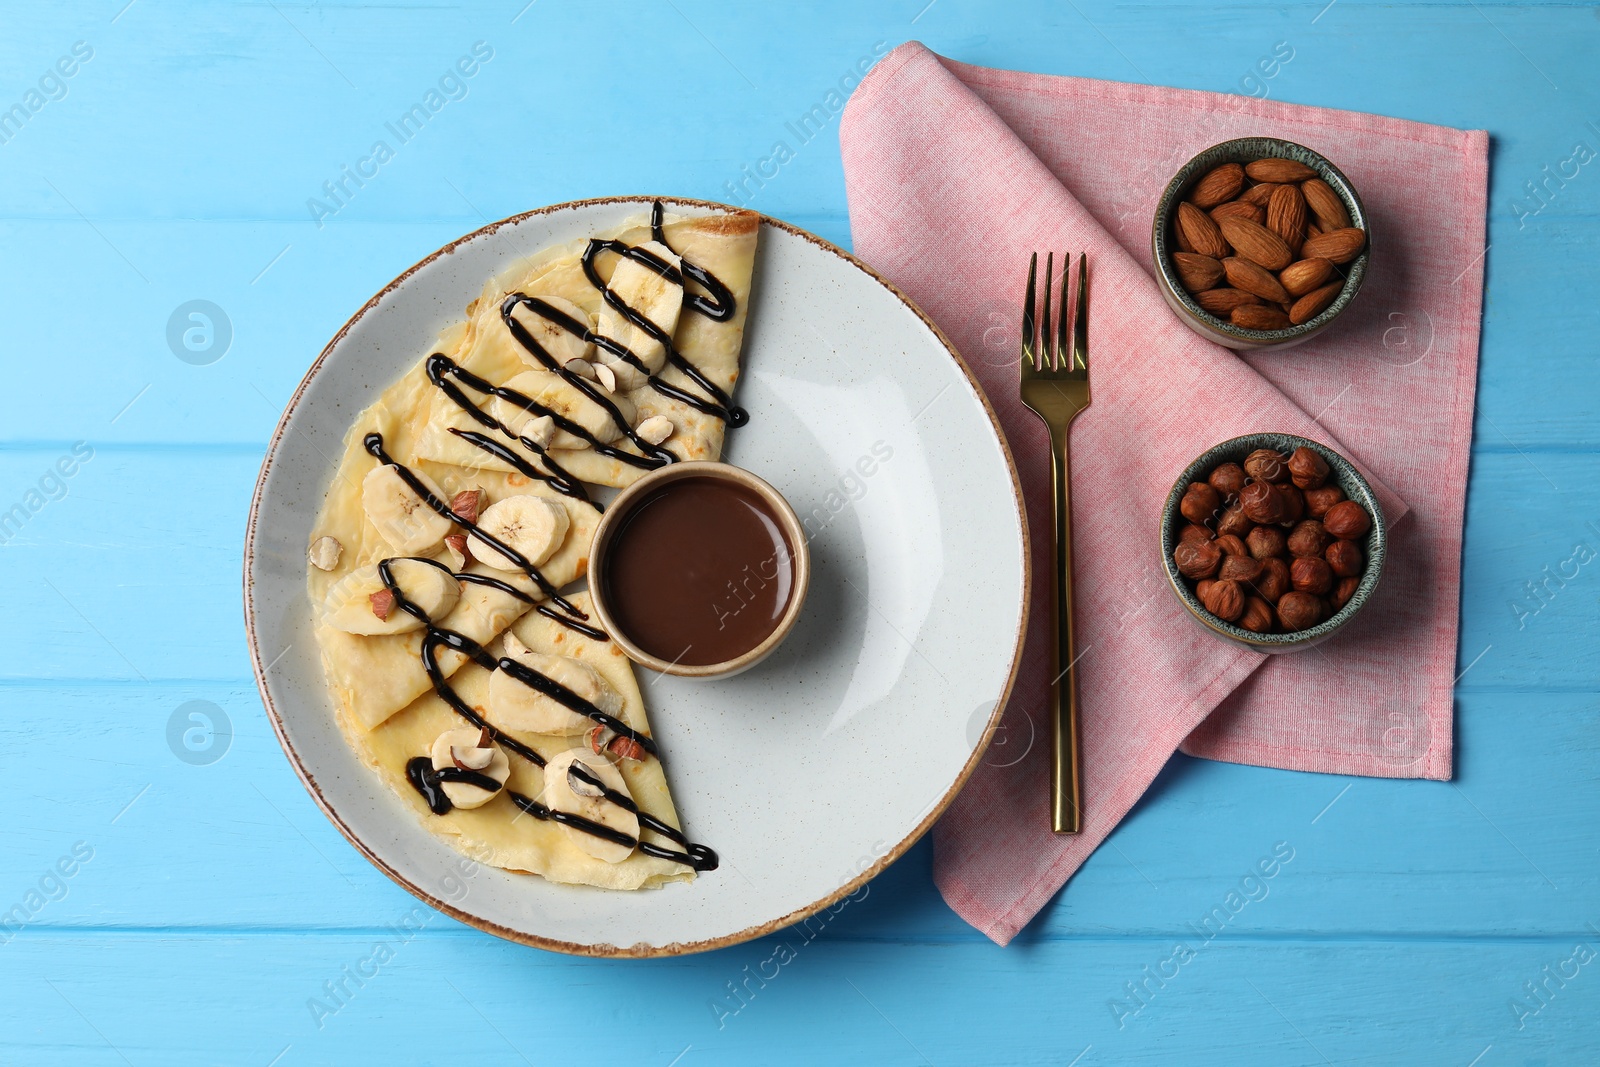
x,y
954,174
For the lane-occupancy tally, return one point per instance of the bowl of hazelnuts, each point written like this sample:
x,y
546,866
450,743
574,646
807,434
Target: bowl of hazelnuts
x,y
1259,243
1272,541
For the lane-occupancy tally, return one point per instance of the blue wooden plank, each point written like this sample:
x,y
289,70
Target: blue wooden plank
x,y
789,1000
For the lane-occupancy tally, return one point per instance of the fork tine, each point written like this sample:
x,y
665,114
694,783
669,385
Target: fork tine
x,y
1061,324
1028,353
1048,352
1080,322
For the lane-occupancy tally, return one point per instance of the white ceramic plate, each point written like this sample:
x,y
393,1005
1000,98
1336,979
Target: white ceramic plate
x,y
808,774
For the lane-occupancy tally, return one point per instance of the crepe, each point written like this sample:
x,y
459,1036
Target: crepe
x,y
485,427
724,245
498,833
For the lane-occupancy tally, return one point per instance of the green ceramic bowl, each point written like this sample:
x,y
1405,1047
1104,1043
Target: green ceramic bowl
x,y
1209,326
1341,473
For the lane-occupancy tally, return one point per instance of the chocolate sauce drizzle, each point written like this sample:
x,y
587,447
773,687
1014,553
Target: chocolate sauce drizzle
x,y
428,782
718,303
720,404
441,367
373,443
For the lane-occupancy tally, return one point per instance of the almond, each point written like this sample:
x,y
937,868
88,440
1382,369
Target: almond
x,y
1302,277
1256,243
1286,215
1313,230
1238,209
468,503
382,603
1197,272
1313,303
324,552
1222,301
1259,317
1341,246
456,544
1180,240
1259,194
626,748
1253,278
1279,170
1201,233
1325,204
1220,184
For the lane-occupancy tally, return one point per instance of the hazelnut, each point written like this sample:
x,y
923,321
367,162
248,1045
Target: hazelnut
x,y
1294,503
1266,541
1318,501
1202,585
1228,479
1197,559
1265,465
1191,532
1233,521
1273,581
1308,469
1231,545
1347,520
1309,574
1239,568
1308,539
1225,600
1344,557
1343,592
1263,503
1200,502
1297,611
1257,617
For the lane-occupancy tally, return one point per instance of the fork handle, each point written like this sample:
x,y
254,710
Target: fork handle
x,y
1066,791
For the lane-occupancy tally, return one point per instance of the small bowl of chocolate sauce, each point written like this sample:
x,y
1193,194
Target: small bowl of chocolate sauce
x,y
699,569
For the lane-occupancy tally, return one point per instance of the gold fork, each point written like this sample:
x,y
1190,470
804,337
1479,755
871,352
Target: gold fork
x,y
1055,387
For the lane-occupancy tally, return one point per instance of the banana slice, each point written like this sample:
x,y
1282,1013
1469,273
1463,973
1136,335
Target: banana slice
x,y
350,604
404,520
565,399
530,525
559,794
461,750
519,707
562,344
646,293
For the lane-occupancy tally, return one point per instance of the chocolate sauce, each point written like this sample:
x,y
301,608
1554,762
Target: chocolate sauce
x,y
429,782
717,304
720,403
374,445
698,572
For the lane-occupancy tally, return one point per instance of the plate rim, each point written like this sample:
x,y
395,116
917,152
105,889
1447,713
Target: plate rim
x,y
674,948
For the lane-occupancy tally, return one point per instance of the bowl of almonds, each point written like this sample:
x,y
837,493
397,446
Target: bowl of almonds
x,y
1259,243
1273,541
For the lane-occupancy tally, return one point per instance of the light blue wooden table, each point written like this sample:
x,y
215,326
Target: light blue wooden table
x,y
183,901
